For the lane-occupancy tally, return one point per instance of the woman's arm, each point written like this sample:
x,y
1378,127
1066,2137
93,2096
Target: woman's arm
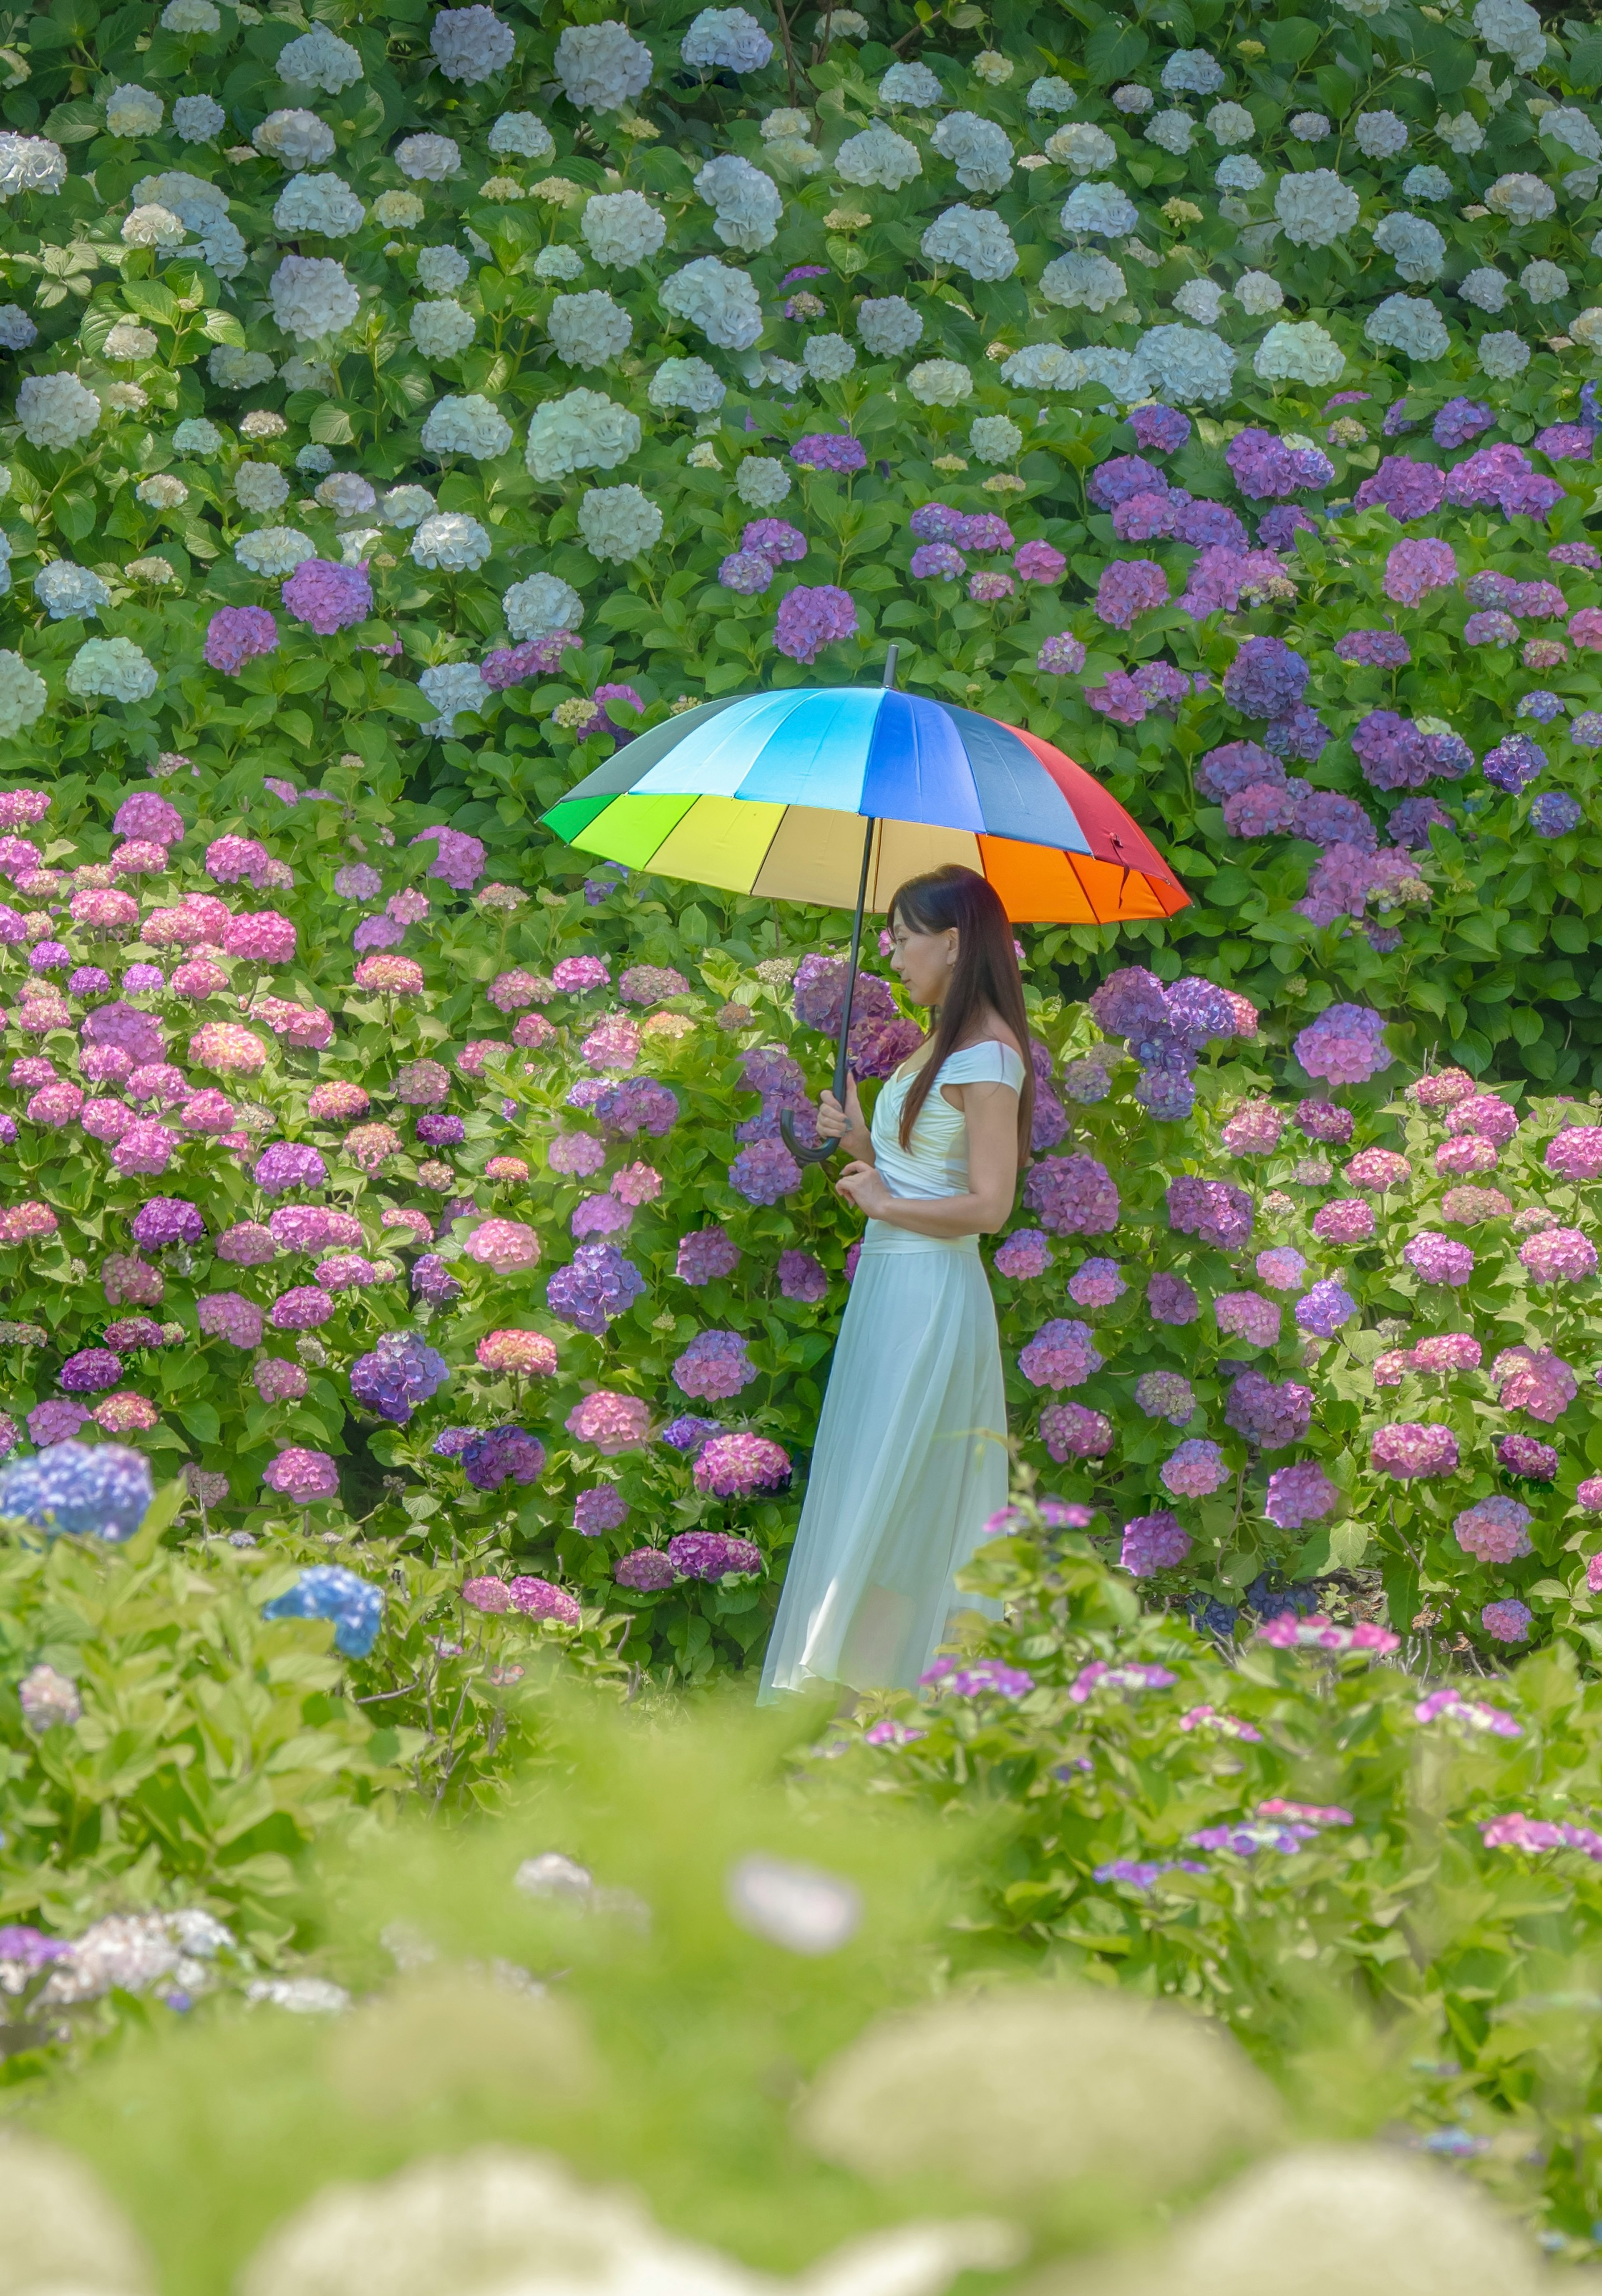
x,y
847,1125
992,1113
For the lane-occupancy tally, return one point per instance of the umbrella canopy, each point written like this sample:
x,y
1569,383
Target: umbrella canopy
x,y
770,793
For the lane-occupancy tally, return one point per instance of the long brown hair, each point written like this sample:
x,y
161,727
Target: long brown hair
x,y
985,973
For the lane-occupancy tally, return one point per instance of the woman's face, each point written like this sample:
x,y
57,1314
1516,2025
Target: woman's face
x,y
924,961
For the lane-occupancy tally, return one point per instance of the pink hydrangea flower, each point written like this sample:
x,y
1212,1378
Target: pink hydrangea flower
x,y
503,1245
611,1423
613,1046
1407,1450
1254,1130
1447,1351
1378,1169
1496,1529
396,976
1070,1432
1153,1543
302,1475
1561,1255
1061,1354
1534,1380
1281,1268
224,1315
714,1367
1096,1284
223,1046
1247,1315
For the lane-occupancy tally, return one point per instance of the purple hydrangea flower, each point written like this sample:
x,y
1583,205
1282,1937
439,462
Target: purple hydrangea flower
x,y
401,1372
1267,1414
705,1255
1169,1299
825,450
1299,1495
1153,1543
1265,679
490,1459
597,1285
1324,1308
714,1555
286,1165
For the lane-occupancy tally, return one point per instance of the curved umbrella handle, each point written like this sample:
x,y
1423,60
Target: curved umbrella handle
x,y
819,1154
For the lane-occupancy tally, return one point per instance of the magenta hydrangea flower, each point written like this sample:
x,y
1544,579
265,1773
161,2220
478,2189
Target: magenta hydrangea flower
x,y
1128,587
802,1277
809,620
1437,1258
1345,1044
327,596
226,1315
1483,1113
646,1571
1496,1529
1254,1130
1508,1621
1096,1284
1561,1255
1576,1153
741,1466
1447,1351
601,1508
1061,1354
1409,1450
1153,1543
1069,1431
1534,1380
1169,1299
714,1367
1298,1495
1211,1211
1195,1470
302,1475
713,1554
1525,1455
1071,1195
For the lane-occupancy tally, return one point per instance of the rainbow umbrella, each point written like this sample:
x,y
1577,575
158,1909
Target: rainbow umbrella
x,y
836,795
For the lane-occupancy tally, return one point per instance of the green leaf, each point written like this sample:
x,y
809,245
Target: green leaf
x,y
161,1511
1585,61
1114,50
331,425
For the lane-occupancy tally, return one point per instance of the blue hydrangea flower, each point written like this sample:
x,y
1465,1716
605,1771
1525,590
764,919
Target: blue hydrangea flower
x,y
103,1488
327,1591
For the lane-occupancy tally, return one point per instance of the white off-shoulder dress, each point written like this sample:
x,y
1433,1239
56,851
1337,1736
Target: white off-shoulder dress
x,y
910,1455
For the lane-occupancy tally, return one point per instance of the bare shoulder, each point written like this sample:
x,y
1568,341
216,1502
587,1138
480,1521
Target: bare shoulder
x,y
991,1028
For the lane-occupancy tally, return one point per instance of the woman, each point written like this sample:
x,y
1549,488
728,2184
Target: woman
x,y
910,1455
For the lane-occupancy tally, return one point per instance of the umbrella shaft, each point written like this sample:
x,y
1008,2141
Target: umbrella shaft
x,y
842,1054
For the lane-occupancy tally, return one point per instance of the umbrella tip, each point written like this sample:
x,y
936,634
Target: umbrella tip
x,y
890,654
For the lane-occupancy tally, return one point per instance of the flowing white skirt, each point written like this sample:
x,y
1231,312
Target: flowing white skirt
x,y
910,1459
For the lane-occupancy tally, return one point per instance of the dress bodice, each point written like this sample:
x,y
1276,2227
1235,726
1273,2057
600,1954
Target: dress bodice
x,y
935,1163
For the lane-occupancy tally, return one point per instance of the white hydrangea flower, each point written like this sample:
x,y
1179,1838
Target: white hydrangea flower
x,y
1257,293
1171,131
1238,173
618,523
1083,281
689,383
602,67
720,301
1201,300
130,340
1231,123
1426,184
1566,125
295,139
1132,100
563,263
222,247
1101,208
748,204
1410,325
470,45
1521,199
1297,352
585,430
888,325
397,210
994,440
1309,126
1082,148
1185,366
196,436
992,67
913,85
1586,329
190,18
622,229
1413,243
442,329
1461,133
23,694
441,270
725,39
589,329
940,382
766,366
1052,96
1192,72
162,492
1316,208
451,541
311,296
229,368
274,550
191,198
452,687
319,58
133,111
1510,29
1380,134
1043,366
540,606
198,118
17,330
298,374
471,425
319,204
112,667
1486,289
55,410
30,163
152,226
971,240
786,125
347,494
428,159
761,482
1544,283
1502,355
980,151
261,488
521,136
827,358
878,156
128,399
65,589
1367,9
406,507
